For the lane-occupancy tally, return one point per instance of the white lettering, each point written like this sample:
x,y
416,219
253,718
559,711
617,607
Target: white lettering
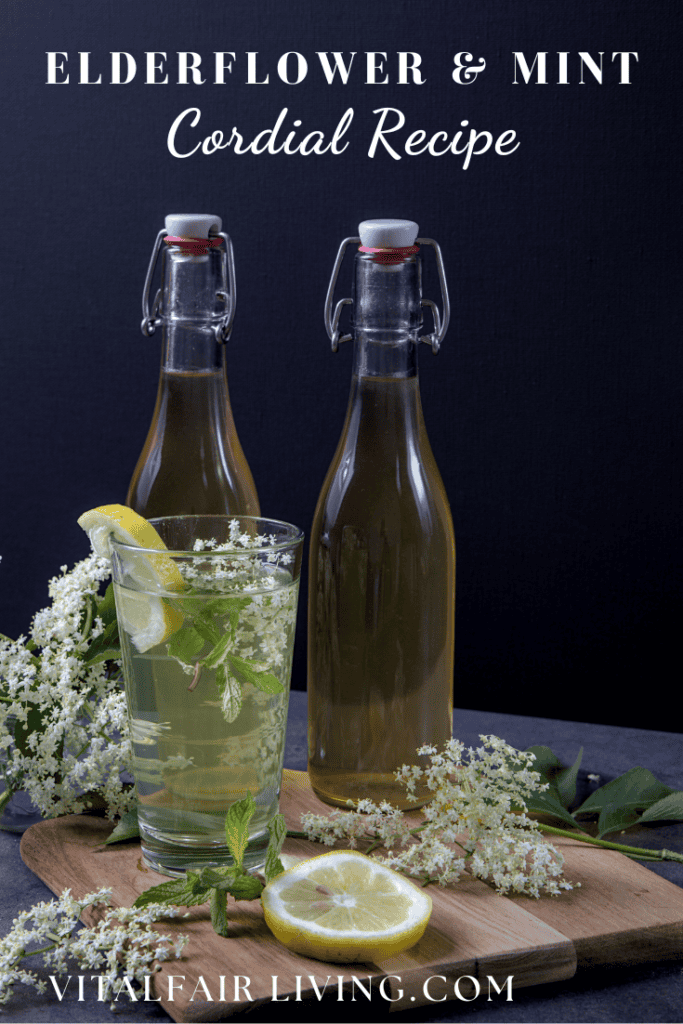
x,y
251,69
339,65
274,998
404,67
53,67
475,986
131,67
462,74
243,987
60,995
374,66
381,131
425,989
382,992
205,990
85,70
625,64
222,66
172,978
301,67
170,142
562,69
520,61
148,996
153,67
588,62
506,984
185,65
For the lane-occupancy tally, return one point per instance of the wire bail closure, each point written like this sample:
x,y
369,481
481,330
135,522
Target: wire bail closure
x,y
222,329
441,320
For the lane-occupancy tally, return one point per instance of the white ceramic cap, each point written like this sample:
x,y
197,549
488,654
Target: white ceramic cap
x,y
192,225
385,233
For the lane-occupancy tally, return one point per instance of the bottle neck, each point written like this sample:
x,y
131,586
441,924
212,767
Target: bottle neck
x,y
387,317
192,305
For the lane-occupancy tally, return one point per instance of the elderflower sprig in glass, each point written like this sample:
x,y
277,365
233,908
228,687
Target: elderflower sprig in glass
x,y
476,820
121,946
207,646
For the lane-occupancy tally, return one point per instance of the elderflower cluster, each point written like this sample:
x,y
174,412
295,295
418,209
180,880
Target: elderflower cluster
x,y
122,945
63,722
476,820
246,565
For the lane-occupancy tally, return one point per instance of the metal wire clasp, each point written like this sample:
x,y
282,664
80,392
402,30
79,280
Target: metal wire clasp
x,y
151,320
441,320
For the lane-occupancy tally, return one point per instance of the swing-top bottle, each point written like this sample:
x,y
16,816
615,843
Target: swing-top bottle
x,y
382,553
192,461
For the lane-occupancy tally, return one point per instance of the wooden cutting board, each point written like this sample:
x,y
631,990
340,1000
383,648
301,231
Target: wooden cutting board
x,y
622,913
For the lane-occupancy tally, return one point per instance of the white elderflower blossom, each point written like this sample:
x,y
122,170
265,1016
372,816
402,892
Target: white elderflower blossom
x,y
121,945
63,721
477,820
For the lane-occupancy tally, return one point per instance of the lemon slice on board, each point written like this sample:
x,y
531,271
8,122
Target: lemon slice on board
x,y
345,907
149,619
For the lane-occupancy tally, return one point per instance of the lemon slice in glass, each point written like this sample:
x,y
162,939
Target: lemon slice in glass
x,y
149,619
345,907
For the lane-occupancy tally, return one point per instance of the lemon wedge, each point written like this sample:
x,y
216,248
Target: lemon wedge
x,y
148,619
345,907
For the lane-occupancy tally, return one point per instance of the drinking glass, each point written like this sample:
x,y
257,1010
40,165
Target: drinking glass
x,y
207,635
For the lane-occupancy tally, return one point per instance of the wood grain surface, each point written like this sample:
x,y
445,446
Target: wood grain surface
x,y
622,913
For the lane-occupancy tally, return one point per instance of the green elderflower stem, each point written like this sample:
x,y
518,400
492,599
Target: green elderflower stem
x,y
5,799
635,852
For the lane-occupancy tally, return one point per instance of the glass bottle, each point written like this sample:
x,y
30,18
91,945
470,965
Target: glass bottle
x,y
382,553
192,461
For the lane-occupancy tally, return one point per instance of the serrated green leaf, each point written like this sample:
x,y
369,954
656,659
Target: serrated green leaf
x,y
185,644
565,782
218,652
219,912
127,828
181,892
242,887
231,693
106,609
277,830
237,827
245,673
636,788
669,808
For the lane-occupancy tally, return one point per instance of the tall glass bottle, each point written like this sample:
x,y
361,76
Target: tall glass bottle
x,y
192,461
382,553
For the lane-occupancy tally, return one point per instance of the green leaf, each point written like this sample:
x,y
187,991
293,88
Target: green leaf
x,y
548,803
245,673
22,731
219,913
565,782
637,787
106,609
185,644
615,817
181,892
277,830
104,647
242,887
231,693
237,827
217,655
127,828
669,808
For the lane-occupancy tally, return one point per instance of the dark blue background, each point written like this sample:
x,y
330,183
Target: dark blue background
x,y
552,408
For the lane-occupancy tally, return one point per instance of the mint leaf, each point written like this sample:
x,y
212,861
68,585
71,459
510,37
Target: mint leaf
x,y
185,644
127,828
181,892
277,830
237,827
217,655
245,673
219,912
106,609
242,887
231,693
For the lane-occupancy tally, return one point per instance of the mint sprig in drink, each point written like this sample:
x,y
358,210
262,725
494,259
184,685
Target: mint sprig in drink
x,y
207,662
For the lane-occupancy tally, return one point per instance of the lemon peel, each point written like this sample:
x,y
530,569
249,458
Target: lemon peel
x,y
149,619
345,907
